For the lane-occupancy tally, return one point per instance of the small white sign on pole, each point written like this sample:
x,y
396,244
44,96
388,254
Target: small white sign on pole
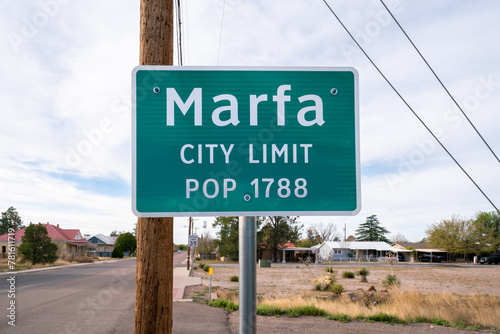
x,y
193,241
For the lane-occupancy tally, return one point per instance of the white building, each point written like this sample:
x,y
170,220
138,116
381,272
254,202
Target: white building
x,y
356,250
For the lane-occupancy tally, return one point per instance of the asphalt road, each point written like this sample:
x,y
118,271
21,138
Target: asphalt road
x,y
93,298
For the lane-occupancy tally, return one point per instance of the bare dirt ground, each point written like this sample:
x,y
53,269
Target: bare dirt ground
x,y
287,280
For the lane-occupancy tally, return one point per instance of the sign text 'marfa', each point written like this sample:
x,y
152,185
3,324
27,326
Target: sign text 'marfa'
x,y
280,98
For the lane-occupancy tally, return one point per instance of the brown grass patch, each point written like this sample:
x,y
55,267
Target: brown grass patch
x,y
482,310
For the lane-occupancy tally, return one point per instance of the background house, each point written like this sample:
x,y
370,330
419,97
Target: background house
x,y
104,245
346,250
68,241
287,253
422,248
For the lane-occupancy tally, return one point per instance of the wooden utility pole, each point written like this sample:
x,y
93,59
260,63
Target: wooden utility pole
x,y
154,280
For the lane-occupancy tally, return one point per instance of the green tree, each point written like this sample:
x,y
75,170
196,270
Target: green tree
x,y
10,219
227,242
306,243
117,252
371,230
485,235
37,246
127,242
278,230
450,234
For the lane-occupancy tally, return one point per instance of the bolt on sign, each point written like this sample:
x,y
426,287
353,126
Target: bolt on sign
x,y
245,141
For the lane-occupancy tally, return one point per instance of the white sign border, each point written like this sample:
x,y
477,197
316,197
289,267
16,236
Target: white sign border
x,y
244,213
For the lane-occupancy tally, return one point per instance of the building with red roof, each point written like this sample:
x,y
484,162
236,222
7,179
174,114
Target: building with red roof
x,y
68,241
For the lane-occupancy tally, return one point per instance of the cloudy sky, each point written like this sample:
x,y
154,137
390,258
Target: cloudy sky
x,y
66,68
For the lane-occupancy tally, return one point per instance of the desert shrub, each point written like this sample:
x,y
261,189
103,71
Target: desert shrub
x,y
336,288
206,267
79,259
323,283
440,322
264,309
228,294
202,265
224,304
340,317
330,270
304,310
234,278
347,274
391,281
459,324
385,318
363,272
117,252
83,259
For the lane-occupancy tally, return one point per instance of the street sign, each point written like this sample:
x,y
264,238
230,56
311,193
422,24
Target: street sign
x,y
192,241
245,141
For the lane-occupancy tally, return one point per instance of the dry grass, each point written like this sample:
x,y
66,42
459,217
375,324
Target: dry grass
x,y
227,294
459,296
482,310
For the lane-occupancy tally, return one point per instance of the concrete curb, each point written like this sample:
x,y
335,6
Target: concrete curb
x,y
181,280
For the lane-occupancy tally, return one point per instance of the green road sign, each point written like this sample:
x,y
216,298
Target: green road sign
x,y
245,141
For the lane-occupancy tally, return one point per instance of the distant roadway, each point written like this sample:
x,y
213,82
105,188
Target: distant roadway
x,y
91,298
94,298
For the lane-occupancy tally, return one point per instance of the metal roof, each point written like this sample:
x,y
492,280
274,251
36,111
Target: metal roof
x,y
105,240
363,245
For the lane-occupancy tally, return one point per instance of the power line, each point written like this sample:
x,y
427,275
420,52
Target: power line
x,y
220,34
409,107
439,80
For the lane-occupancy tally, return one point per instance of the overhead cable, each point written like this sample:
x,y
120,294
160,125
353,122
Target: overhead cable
x,y
409,107
220,34
439,80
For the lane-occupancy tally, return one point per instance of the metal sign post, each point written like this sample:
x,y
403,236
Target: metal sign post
x,y
210,273
248,275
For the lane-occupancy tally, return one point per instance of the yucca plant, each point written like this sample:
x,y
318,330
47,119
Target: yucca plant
x,y
363,272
